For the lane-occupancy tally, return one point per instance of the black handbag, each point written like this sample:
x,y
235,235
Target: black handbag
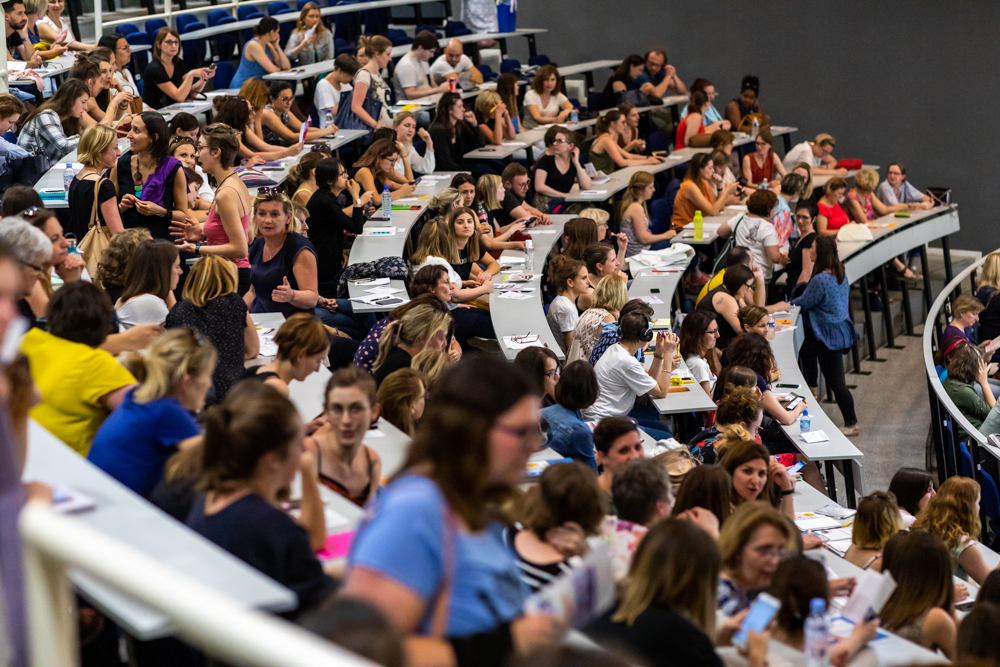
x,y
24,171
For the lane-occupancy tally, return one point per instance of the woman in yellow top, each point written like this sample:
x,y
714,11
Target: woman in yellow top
x,y
80,383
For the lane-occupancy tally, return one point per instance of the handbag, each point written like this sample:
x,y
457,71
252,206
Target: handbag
x,y
135,106
635,98
97,238
348,120
678,462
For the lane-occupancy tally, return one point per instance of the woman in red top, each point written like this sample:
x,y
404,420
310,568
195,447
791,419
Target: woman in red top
x,y
691,131
831,216
761,165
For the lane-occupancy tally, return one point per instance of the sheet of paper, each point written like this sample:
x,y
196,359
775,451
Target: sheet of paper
x,y
409,199
303,130
651,299
590,193
309,32
514,143
373,298
535,230
383,290
816,523
371,282
839,547
374,433
507,258
268,348
523,342
813,437
513,295
870,594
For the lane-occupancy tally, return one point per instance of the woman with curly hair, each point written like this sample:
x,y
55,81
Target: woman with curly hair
x,y
953,515
117,257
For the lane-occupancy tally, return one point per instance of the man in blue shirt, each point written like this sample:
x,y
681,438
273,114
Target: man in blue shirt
x,y
658,76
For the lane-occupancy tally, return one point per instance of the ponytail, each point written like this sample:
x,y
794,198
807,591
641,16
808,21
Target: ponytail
x,y
561,269
420,321
173,355
604,122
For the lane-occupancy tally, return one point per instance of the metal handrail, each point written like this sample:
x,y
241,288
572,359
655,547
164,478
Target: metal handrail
x,y
205,618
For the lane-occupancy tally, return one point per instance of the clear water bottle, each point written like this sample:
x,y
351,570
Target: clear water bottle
x,y
754,129
764,185
817,635
574,116
770,327
386,204
529,256
328,118
68,176
805,423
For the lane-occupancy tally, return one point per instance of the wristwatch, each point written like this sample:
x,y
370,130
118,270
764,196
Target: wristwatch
x,y
358,201
197,248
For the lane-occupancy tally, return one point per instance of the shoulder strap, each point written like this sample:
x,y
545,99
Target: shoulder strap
x,y
94,220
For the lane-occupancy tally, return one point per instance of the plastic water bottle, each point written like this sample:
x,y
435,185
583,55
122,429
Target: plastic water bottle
x,y
699,226
574,116
754,129
68,176
770,327
764,185
529,256
328,118
817,634
386,204
481,212
805,423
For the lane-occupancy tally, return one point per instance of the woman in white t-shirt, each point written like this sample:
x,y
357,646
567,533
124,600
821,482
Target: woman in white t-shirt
x,y
55,28
122,51
569,276
331,88
699,332
756,233
544,104
149,284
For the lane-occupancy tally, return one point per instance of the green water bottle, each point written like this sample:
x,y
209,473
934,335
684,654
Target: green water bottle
x,y
699,232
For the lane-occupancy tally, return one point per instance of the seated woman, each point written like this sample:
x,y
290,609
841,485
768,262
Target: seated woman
x,y
346,465
211,306
69,267
757,476
184,149
420,328
149,286
466,186
375,170
558,169
692,131
781,217
282,262
311,41
623,79
543,367
98,151
738,418
242,479
454,133
604,152
921,608
112,98
99,107
401,399
55,28
368,350
488,195
863,206
568,433
544,104
953,516
604,306
279,126
492,118
569,280
725,301
328,239
262,54
405,123
800,263
753,351
303,342
754,319
116,260
762,165
167,79
699,333
53,128
877,520
722,175
74,405
578,235
831,216
301,181
989,285
601,260
741,111
555,518
236,113
753,528
155,419
696,194
634,220
473,264
630,140
437,277
913,488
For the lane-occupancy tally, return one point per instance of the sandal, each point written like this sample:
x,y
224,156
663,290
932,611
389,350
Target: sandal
x,y
851,431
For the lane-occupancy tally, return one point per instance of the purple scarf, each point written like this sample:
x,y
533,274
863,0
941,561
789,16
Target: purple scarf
x,y
155,186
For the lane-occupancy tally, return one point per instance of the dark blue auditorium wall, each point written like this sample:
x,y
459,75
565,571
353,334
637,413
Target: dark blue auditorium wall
x,y
915,81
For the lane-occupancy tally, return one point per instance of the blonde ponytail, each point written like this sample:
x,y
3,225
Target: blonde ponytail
x,y
171,356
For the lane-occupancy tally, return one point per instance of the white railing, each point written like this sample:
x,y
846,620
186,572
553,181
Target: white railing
x,y
208,620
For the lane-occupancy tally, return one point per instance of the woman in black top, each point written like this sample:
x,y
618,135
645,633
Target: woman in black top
x,y
98,151
455,133
423,327
623,79
726,300
558,169
328,220
167,79
152,188
799,268
467,253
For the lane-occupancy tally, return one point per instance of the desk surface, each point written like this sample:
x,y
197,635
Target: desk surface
x,y
592,66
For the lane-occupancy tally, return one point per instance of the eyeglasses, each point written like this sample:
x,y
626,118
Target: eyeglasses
x,y
38,269
803,218
530,433
750,285
561,141
713,332
126,47
354,409
554,373
171,42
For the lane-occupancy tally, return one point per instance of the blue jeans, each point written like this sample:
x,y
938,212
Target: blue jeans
x,y
344,319
648,420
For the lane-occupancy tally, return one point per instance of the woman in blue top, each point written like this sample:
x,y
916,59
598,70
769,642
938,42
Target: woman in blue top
x,y
829,329
282,262
569,434
155,420
262,54
431,554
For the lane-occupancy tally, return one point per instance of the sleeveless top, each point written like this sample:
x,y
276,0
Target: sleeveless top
x,y
248,69
265,276
602,161
215,233
914,630
684,207
334,485
270,136
682,131
761,174
866,203
252,374
628,229
726,332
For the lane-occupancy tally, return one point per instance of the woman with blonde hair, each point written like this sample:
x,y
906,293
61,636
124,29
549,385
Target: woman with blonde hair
x,y
310,41
634,218
98,151
155,419
401,396
405,123
303,342
210,305
421,328
301,181
432,364
492,117
804,169
607,300
989,285
877,520
953,516
489,193
863,205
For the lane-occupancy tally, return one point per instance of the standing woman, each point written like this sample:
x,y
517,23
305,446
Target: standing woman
x,y
53,128
634,217
454,134
262,54
225,230
558,169
167,79
369,107
98,151
149,286
696,193
699,333
282,262
310,41
151,185
330,220
544,104
278,125
55,28
605,153
376,169
829,330
405,123
761,165
569,278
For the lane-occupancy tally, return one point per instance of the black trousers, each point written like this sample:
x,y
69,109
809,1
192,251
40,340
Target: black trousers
x,y
471,322
831,362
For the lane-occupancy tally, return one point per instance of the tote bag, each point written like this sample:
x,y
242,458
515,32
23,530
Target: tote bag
x,y
97,239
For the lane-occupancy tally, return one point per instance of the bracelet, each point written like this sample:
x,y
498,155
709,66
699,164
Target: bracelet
x,y
787,493
197,248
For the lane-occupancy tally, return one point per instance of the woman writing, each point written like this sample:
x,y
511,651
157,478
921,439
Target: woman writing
x,y
310,41
167,79
225,230
492,118
454,133
692,131
699,333
559,169
149,286
53,128
151,185
376,170
328,237
282,263
696,194
98,151
877,520
278,126
825,304
211,306
605,304
761,165
262,54
401,398
303,342
604,152
831,215
369,107
634,221
544,104
405,123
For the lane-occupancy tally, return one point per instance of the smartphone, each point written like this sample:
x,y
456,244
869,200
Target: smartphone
x,y
795,468
761,612
792,403
389,302
654,290
417,180
787,386
531,222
